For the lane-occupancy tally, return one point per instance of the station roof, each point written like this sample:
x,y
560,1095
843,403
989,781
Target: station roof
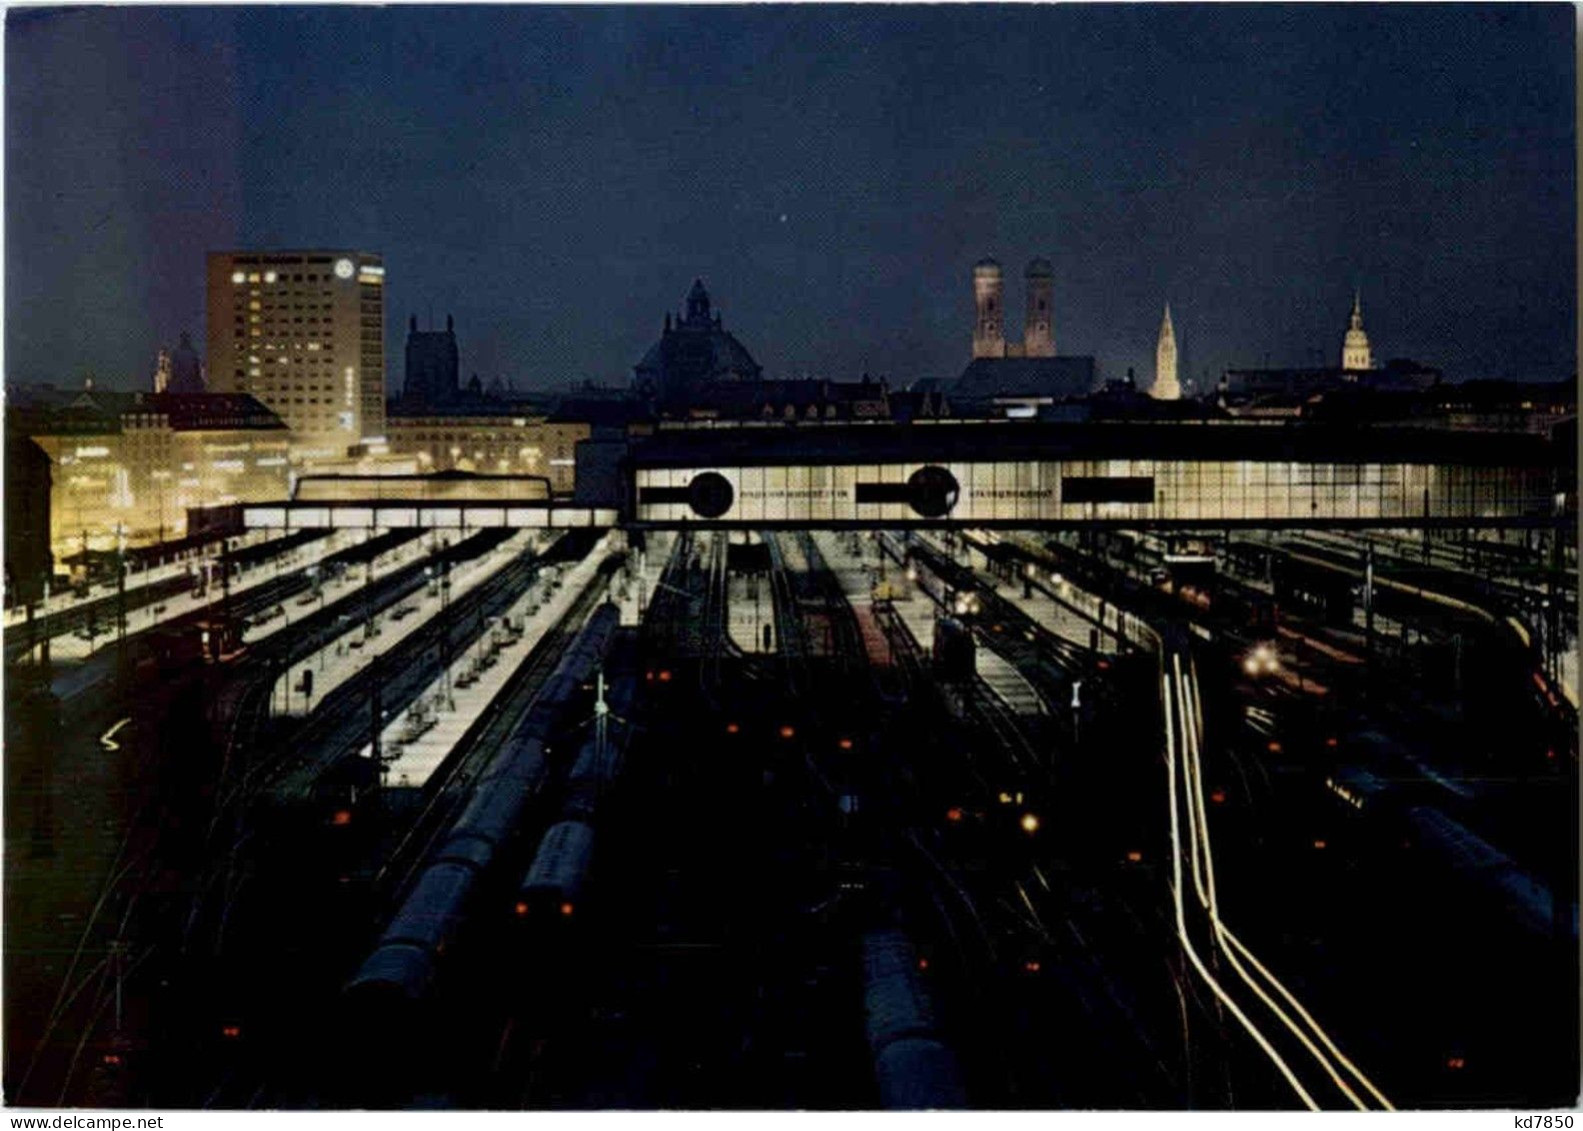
x,y
998,441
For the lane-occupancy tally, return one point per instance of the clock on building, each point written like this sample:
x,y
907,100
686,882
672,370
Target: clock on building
x,y
343,268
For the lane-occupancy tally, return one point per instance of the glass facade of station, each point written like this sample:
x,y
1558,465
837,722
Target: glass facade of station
x,y
1143,491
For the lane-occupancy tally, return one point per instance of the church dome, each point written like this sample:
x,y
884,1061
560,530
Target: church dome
x,y
1355,351
694,352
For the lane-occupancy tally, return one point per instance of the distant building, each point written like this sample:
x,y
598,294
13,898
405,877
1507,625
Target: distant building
x,y
989,330
989,321
132,463
1355,352
796,399
1038,335
186,370
691,357
28,482
489,439
162,371
1166,387
1016,380
432,377
304,332
1019,387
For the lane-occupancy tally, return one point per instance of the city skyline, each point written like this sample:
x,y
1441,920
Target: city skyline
x,y
832,175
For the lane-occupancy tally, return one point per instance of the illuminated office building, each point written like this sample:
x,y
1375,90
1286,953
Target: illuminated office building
x,y
304,332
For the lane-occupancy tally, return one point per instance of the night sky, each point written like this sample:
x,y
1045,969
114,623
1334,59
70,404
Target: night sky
x,y
555,178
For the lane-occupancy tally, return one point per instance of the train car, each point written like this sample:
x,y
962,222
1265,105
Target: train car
x,y
1358,791
222,638
913,1067
1190,561
1520,896
1314,584
402,968
553,889
953,650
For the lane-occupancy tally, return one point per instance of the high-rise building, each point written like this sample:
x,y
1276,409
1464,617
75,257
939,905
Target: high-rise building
x,y
304,332
1355,352
1166,387
432,365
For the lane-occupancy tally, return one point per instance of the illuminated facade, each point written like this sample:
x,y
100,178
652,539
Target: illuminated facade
x,y
494,444
1139,475
129,465
304,332
1166,387
1038,337
989,327
1355,352
989,306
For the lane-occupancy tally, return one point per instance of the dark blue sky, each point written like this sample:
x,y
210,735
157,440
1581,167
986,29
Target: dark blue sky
x,y
557,177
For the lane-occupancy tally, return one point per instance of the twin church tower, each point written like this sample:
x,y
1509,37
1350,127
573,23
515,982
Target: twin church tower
x,y
989,331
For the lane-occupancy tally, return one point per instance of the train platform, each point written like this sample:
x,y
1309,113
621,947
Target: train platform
x,y
344,657
65,599
68,647
418,742
649,567
1002,677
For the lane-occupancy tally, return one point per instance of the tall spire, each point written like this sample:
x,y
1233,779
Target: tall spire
x,y
1166,387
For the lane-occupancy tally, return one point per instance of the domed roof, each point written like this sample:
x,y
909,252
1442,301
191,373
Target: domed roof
x,y
694,352
1040,268
988,263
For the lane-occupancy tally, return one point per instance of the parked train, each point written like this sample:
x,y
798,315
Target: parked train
x,y
913,1066
552,891
403,965
1412,812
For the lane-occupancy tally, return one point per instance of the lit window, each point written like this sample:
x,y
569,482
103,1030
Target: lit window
x,y
238,277
269,276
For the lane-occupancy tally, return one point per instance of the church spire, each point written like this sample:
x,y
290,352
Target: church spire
x,y
698,303
1166,386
